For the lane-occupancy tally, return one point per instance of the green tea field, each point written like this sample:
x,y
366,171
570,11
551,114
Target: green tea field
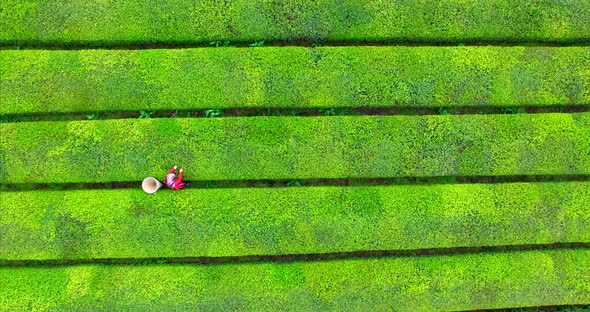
x,y
352,155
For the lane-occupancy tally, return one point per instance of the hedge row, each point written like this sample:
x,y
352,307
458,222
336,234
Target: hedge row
x,y
277,221
245,148
100,23
38,81
440,283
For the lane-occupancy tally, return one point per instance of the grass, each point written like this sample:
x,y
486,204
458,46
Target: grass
x,y
458,282
292,148
89,224
41,81
74,23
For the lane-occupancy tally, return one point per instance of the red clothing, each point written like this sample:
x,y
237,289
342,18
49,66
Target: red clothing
x,y
172,182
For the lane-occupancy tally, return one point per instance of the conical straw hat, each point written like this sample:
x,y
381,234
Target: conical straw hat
x,y
151,185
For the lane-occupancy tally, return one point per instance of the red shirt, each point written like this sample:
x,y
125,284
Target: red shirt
x,y
172,182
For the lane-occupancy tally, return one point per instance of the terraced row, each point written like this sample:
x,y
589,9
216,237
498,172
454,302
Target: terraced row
x,y
78,22
93,224
127,80
458,282
296,147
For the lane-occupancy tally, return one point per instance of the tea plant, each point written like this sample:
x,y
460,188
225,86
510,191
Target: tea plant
x,y
145,115
257,44
213,113
218,43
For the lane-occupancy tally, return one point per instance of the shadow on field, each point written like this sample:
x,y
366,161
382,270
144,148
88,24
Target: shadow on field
x,y
208,184
299,257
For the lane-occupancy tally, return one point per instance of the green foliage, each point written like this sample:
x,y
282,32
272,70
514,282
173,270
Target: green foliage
x,y
257,44
127,223
291,148
221,221
292,77
443,111
218,43
444,283
210,184
213,113
145,115
295,183
328,111
99,23
510,110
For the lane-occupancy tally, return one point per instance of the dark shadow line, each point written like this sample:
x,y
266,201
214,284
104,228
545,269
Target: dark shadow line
x,y
299,257
294,111
566,307
404,42
279,183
